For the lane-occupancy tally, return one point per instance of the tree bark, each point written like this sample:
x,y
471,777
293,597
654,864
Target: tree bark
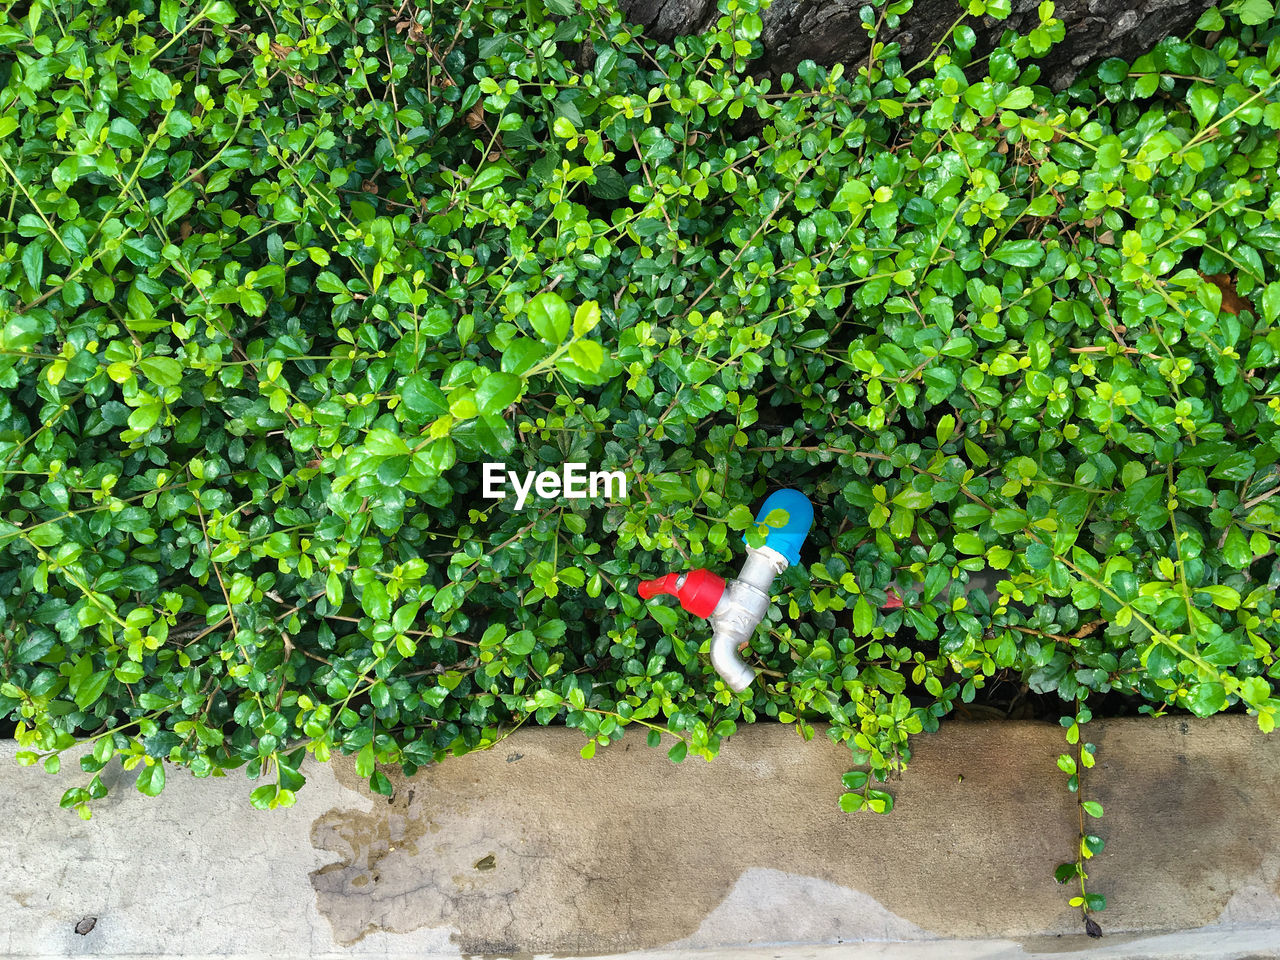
x,y
829,31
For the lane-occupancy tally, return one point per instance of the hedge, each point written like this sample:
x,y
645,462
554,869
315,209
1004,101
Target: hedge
x,y
277,282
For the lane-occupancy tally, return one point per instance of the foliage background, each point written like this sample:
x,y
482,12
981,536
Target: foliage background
x,y
276,281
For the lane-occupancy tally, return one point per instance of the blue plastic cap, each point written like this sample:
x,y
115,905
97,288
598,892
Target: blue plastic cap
x,y
788,538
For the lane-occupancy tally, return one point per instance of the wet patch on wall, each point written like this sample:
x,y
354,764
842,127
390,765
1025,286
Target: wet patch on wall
x,y
628,851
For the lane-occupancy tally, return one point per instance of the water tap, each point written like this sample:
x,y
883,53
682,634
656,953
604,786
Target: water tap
x,y
736,608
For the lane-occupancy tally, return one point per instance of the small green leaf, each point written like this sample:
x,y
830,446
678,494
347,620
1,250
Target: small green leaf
x,y
151,779
262,797
1255,12
1204,103
549,316
1020,253
220,11
945,428
383,443
91,688
364,761
521,643
491,175
864,617
1225,597
1113,70
163,371
498,391
588,354
33,264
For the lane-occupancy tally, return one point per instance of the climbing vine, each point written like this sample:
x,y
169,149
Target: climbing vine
x,y
277,281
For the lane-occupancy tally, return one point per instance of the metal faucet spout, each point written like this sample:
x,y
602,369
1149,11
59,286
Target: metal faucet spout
x,y
736,608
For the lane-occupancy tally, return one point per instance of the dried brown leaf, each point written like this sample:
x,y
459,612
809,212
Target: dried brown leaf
x,y
1232,302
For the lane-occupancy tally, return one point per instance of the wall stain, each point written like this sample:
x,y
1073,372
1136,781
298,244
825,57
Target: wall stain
x,y
627,851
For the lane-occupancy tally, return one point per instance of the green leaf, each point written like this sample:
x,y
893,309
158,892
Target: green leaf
x,y
1206,699
1271,301
521,643
151,779
608,183
1018,98
121,132
1237,466
1210,20
549,316
1226,597
129,672
863,617
169,15
588,354
33,264
666,617
364,761
586,318
383,443
498,391
220,11
852,195
1113,70
1020,253
491,175
945,428
262,797
913,499
163,371
1143,493
1255,12
1039,556
851,802
1203,101
384,237
375,602
422,396
1161,662
179,202
328,282
521,355
91,688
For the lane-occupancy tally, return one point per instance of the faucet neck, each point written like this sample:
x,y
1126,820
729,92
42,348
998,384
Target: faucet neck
x,y
761,566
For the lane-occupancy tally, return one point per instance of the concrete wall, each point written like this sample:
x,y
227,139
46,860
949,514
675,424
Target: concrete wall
x,y
529,849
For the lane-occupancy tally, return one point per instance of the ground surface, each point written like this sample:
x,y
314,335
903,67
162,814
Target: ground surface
x,y
530,849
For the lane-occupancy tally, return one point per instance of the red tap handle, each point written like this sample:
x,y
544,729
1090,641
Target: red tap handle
x,y
649,589
699,593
